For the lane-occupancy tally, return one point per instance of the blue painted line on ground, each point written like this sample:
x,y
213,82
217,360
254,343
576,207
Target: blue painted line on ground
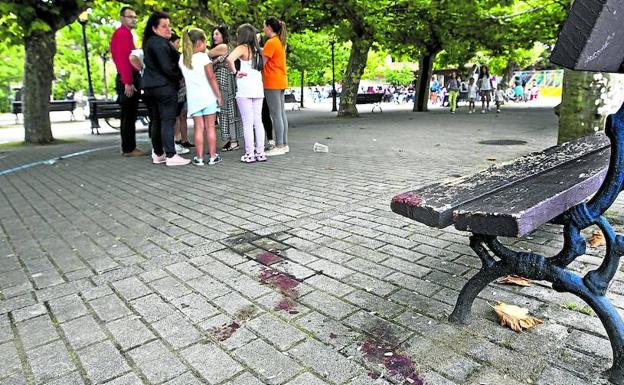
x,y
52,160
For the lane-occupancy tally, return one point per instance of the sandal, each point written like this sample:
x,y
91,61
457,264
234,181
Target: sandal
x,y
247,158
232,146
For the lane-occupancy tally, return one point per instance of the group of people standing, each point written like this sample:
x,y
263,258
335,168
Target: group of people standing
x,y
482,89
220,82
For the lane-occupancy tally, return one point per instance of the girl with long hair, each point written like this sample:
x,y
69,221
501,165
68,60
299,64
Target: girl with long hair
x,y
202,93
249,93
229,116
274,78
485,88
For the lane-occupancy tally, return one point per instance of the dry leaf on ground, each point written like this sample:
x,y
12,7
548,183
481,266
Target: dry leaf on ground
x,y
514,280
597,239
517,318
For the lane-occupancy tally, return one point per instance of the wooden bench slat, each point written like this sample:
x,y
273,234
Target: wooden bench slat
x,y
434,204
528,204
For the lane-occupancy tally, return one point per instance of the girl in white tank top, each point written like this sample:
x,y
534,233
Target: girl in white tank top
x,y
250,92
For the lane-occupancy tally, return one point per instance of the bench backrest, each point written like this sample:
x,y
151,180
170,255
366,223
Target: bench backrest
x,y
290,98
368,98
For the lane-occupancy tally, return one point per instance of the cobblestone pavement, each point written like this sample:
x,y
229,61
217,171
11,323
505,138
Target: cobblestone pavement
x,y
116,271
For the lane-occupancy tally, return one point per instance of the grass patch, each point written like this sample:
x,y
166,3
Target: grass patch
x,y
575,307
14,145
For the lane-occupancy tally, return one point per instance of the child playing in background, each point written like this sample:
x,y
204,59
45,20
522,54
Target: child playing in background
x,y
472,95
499,97
202,92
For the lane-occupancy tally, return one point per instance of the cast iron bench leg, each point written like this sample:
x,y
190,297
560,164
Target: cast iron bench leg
x,y
591,288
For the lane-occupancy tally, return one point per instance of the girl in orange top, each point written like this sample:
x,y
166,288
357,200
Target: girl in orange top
x,y
275,81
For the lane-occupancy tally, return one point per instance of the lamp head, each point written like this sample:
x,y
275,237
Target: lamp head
x,y
83,18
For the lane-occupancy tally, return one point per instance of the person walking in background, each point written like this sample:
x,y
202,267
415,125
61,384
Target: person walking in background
x,y
229,116
453,90
202,93
485,88
472,95
274,78
434,88
161,79
250,92
127,82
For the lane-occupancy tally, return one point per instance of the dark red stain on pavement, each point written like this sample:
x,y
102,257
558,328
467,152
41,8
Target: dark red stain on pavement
x,y
397,365
225,331
268,259
286,286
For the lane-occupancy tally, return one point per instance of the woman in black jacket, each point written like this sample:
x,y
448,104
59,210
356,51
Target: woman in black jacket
x,y
161,79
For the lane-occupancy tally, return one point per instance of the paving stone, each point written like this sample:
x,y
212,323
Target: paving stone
x,y
328,305
195,307
325,361
73,378
378,327
15,303
276,331
109,308
170,288
47,278
96,292
184,271
29,312
245,379
556,376
328,330
211,363
36,331
176,331
126,379
365,379
267,362
68,308
102,362
589,344
5,329
306,379
153,275
232,303
156,362
208,287
152,308
490,376
10,360
185,379
129,332
331,269
374,303
329,285
14,379
131,288
49,362
82,332
370,284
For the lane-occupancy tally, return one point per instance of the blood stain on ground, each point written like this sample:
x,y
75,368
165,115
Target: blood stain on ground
x,y
397,365
286,286
269,259
225,331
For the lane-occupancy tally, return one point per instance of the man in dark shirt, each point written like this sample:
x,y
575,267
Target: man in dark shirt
x,y
127,81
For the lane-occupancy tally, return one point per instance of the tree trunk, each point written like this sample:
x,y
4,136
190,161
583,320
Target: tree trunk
x,y
425,67
351,82
587,99
508,73
40,47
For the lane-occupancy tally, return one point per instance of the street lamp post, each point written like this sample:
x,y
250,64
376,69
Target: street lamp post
x,y
83,19
104,57
334,108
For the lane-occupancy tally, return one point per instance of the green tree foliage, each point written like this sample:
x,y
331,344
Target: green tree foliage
x,y
11,72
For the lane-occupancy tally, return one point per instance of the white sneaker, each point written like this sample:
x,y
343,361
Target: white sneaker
x,y
275,151
286,149
181,149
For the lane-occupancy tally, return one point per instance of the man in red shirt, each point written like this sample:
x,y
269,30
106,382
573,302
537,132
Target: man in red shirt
x,y
127,81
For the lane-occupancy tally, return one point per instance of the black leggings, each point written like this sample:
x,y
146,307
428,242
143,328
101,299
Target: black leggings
x,y
266,120
163,103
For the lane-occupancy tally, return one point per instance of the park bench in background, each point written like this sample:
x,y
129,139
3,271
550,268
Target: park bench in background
x,y
290,98
513,199
110,111
374,99
55,105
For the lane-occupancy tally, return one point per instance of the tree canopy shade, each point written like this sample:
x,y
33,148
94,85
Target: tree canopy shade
x,y
35,23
